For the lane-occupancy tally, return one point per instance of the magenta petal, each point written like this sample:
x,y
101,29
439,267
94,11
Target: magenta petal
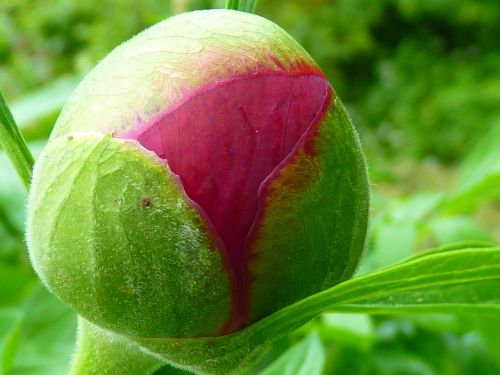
x,y
225,140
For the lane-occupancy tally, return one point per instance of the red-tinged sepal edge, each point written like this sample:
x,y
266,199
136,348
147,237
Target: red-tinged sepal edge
x,y
203,176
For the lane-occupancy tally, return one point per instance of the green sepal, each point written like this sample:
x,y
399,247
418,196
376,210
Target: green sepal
x,y
112,234
315,219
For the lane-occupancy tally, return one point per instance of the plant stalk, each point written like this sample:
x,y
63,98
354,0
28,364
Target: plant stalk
x,y
248,5
241,5
232,4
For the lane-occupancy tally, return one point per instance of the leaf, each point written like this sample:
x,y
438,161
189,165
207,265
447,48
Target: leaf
x,y
452,247
479,179
453,281
445,281
402,363
438,322
14,145
489,328
457,229
353,330
9,319
395,231
305,358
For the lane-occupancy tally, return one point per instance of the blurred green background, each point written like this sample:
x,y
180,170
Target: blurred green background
x,y
421,80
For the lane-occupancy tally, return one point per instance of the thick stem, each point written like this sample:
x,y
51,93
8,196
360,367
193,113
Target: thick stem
x,y
232,4
248,5
241,5
100,352
12,141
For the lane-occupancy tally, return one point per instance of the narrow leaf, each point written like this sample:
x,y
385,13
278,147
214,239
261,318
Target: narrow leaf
x,y
12,141
305,358
458,281
453,281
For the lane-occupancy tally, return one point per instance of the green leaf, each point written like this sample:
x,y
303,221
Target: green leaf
x,y
439,322
395,231
452,247
489,328
448,280
444,281
9,318
457,229
479,179
12,141
352,330
402,363
305,358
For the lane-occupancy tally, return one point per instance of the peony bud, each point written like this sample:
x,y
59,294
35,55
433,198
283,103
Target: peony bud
x,y
201,177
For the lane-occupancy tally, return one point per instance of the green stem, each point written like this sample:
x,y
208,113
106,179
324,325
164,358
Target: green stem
x,y
241,5
248,5
12,141
232,4
100,352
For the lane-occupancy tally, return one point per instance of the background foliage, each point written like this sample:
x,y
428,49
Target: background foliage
x,y
421,81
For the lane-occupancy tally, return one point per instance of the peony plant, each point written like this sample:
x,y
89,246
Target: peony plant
x,y
204,192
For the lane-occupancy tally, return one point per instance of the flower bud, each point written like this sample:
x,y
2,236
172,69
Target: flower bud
x,y
201,177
